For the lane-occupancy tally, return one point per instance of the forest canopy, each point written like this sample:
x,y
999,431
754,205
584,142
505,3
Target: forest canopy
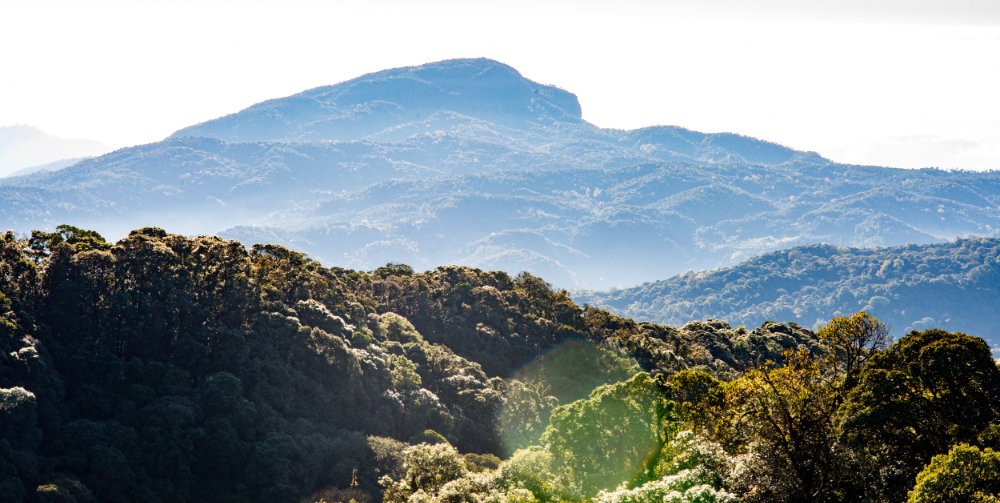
x,y
953,286
170,368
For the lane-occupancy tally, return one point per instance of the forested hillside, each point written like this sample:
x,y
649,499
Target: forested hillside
x,y
954,286
400,165
168,368
165,368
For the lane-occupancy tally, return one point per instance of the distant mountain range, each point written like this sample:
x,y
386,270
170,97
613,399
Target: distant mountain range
x,y
954,286
25,149
466,161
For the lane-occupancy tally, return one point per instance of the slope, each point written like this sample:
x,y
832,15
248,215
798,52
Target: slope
x,y
167,368
467,161
953,285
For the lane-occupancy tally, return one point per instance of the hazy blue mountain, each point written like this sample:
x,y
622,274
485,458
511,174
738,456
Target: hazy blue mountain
x,y
26,147
466,161
48,166
379,103
954,286
621,226
473,98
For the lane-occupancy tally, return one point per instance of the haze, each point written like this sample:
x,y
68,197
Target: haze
x,y
907,84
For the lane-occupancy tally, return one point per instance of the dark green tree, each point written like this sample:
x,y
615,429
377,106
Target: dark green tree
x,y
929,391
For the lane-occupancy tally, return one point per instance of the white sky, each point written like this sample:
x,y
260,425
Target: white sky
x,y
906,83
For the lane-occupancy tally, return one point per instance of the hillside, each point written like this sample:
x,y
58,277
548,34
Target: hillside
x,y
24,148
954,286
403,165
168,368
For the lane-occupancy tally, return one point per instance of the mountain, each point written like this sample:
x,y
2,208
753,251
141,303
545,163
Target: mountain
x,y
623,225
25,147
389,103
49,166
953,286
467,161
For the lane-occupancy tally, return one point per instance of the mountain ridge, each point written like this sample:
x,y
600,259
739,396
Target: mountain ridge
x,y
482,181
952,285
471,86
24,147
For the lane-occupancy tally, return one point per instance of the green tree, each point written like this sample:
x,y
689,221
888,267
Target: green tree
x,y
691,470
781,420
393,269
428,467
688,486
532,469
525,414
700,398
855,337
966,473
929,391
42,243
615,435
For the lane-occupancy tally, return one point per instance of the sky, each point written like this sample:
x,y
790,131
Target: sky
x,y
905,83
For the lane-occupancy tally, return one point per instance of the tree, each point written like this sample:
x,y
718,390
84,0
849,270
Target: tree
x,y
393,269
780,420
691,471
966,473
19,438
525,414
64,490
699,398
615,435
855,337
428,468
688,486
531,469
929,391
41,243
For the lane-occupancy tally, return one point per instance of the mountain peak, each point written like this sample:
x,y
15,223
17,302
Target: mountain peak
x,y
364,106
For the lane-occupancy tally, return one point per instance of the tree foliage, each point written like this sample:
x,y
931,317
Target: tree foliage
x,y
781,421
929,391
853,338
965,473
429,467
168,368
617,434
195,368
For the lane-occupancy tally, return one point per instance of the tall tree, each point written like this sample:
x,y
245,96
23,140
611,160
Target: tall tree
x,y
929,391
854,338
780,420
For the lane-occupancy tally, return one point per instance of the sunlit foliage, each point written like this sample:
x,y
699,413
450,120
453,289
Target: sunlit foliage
x,y
965,473
780,421
855,337
617,434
